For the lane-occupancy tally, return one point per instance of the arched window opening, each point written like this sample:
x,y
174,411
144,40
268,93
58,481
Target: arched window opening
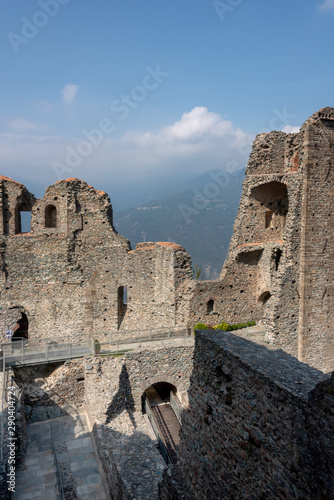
x,y
210,305
50,216
264,297
163,411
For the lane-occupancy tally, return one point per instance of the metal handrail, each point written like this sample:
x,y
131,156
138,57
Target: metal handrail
x,y
162,446
176,405
22,352
121,336
58,472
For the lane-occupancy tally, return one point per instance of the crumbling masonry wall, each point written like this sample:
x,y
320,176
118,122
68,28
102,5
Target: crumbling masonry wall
x,y
73,275
259,425
280,266
68,274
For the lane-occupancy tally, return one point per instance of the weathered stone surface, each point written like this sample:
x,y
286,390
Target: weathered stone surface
x,y
113,394
68,273
259,424
280,266
50,391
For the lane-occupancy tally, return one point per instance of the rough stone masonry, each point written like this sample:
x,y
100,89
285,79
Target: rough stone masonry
x,y
259,425
73,275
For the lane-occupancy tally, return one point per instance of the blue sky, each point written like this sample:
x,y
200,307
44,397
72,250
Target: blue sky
x,y
128,95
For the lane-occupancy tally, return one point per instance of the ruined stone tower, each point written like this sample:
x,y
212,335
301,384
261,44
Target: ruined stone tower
x,y
280,266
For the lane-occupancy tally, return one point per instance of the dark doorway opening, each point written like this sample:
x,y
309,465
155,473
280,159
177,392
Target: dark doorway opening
x,y
163,411
21,328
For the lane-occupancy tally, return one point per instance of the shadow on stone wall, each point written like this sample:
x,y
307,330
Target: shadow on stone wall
x,y
123,399
52,390
132,464
259,425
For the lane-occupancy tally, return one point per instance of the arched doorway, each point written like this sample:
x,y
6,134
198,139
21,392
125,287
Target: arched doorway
x,y
163,411
21,328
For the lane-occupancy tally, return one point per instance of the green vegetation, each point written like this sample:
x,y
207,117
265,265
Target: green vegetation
x,y
225,327
198,273
200,326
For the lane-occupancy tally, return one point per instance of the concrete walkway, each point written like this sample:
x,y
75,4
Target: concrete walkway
x,y
67,439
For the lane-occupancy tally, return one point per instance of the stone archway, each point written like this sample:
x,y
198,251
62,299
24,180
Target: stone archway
x,y
181,390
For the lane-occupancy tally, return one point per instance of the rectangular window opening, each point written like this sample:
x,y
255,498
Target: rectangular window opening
x,y
269,218
25,218
125,296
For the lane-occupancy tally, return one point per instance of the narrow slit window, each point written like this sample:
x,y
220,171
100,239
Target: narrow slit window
x,y
122,303
269,218
125,296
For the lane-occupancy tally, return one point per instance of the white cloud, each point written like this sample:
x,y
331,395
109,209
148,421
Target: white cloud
x,y
327,5
198,131
22,125
200,141
69,92
290,129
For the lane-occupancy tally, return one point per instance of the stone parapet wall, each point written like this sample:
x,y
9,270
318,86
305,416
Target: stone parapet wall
x,y
259,424
114,384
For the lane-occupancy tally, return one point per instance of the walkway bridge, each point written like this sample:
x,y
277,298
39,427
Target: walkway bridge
x,y
33,352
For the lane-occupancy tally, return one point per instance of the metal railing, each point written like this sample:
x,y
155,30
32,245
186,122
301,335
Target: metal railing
x,y
162,446
129,336
28,352
56,464
23,353
176,405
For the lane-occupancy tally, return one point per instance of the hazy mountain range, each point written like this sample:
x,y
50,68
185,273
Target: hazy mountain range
x,y
199,215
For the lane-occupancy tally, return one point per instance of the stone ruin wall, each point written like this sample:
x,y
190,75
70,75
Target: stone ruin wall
x,y
67,278
316,315
280,266
113,397
259,425
265,244
279,269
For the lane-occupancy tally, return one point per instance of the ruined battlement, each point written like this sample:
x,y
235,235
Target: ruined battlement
x,y
72,274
